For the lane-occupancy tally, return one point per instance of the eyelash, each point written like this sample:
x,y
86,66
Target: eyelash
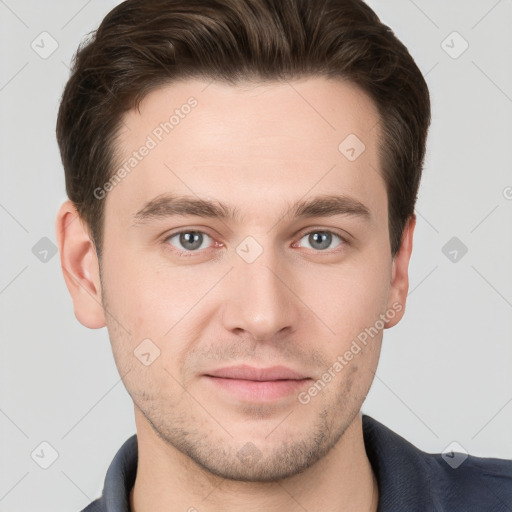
x,y
189,253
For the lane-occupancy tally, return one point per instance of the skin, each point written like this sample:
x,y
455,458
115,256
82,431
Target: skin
x,y
258,148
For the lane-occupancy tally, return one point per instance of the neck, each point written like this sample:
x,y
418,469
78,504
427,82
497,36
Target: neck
x,y
167,480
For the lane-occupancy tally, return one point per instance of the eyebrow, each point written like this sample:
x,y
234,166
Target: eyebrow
x,y
169,205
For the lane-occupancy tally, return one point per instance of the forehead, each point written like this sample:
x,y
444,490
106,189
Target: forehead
x,y
274,140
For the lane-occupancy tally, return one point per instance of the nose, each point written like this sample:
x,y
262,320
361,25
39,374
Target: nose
x,y
260,299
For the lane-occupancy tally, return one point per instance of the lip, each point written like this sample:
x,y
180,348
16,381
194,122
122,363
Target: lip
x,y
251,384
246,372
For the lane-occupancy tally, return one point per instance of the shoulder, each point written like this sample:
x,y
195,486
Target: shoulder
x,y
483,484
119,480
96,506
436,482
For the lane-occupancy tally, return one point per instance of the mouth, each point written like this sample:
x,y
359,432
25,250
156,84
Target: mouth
x,y
249,383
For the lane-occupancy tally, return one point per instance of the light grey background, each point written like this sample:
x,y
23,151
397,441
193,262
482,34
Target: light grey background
x,y
445,370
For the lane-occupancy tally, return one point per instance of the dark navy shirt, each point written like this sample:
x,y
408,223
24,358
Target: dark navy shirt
x,y
409,479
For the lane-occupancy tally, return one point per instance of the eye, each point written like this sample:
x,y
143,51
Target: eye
x,y
321,240
191,241
188,241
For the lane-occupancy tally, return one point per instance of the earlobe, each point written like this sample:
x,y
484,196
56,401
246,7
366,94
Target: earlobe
x,y
400,274
80,266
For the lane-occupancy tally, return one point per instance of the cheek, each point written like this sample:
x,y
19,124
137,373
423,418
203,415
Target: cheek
x,y
158,303
351,297
139,292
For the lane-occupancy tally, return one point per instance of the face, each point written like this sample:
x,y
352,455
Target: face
x,y
247,331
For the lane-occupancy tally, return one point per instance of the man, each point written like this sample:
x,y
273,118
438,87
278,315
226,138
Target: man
x,y
242,176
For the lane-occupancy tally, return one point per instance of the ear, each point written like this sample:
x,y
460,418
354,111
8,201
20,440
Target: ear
x,y
400,274
80,266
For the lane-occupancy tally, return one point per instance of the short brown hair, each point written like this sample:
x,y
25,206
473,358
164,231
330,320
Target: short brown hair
x,y
143,44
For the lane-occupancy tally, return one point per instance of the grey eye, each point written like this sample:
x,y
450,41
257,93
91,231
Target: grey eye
x,y
320,240
189,240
